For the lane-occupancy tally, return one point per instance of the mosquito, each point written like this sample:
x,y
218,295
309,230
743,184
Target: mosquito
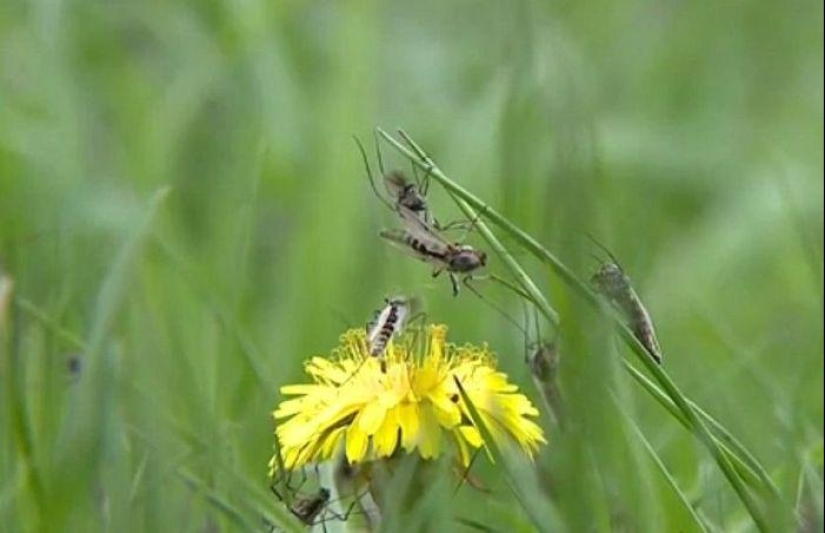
x,y
402,192
312,509
405,194
542,358
612,283
308,509
388,322
429,246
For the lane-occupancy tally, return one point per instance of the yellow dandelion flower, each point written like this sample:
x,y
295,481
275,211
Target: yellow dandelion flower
x,y
409,401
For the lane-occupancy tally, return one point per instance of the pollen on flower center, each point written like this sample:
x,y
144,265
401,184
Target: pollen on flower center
x,y
409,401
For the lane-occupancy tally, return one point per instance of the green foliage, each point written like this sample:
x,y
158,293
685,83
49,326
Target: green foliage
x,y
185,219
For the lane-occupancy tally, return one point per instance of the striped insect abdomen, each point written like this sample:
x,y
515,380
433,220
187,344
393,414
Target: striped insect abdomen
x,y
390,320
615,285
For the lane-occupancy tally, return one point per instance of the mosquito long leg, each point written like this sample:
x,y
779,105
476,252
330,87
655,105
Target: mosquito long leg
x,y
378,156
422,184
315,509
467,283
453,282
401,192
369,173
468,225
515,289
288,491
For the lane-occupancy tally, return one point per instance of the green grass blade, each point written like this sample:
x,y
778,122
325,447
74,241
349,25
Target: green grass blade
x,y
697,522
15,400
696,424
38,314
216,500
527,284
746,464
538,507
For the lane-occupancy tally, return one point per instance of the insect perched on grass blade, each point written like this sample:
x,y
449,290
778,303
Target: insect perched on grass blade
x,y
612,282
402,192
388,322
426,244
406,194
542,357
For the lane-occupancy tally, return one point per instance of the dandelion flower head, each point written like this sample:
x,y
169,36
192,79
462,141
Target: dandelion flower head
x,y
408,400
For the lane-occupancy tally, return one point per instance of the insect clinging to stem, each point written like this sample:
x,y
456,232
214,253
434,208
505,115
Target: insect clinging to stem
x,y
312,508
402,192
426,244
611,282
307,509
542,357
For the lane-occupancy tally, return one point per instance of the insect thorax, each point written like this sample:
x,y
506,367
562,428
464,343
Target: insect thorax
x,y
412,200
611,281
465,259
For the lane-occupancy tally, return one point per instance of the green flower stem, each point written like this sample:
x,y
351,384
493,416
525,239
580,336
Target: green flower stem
x,y
745,463
691,415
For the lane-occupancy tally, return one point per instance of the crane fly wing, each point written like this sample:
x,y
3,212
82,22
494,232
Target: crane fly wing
x,y
422,231
396,184
400,240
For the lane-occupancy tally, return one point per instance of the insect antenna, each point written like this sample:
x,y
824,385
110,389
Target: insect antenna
x,y
603,248
369,171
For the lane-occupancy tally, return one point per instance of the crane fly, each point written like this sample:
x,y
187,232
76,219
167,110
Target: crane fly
x,y
311,509
308,509
612,283
403,193
543,360
427,245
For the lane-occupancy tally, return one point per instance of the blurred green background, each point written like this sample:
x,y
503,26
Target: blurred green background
x,y
186,218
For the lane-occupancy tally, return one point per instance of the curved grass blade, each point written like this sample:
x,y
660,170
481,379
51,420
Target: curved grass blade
x,y
539,508
746,464
527,284
215,499
692,416
253,501
50,325
698,524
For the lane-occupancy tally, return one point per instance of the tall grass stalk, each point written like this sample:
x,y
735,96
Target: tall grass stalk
x,y
692,416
